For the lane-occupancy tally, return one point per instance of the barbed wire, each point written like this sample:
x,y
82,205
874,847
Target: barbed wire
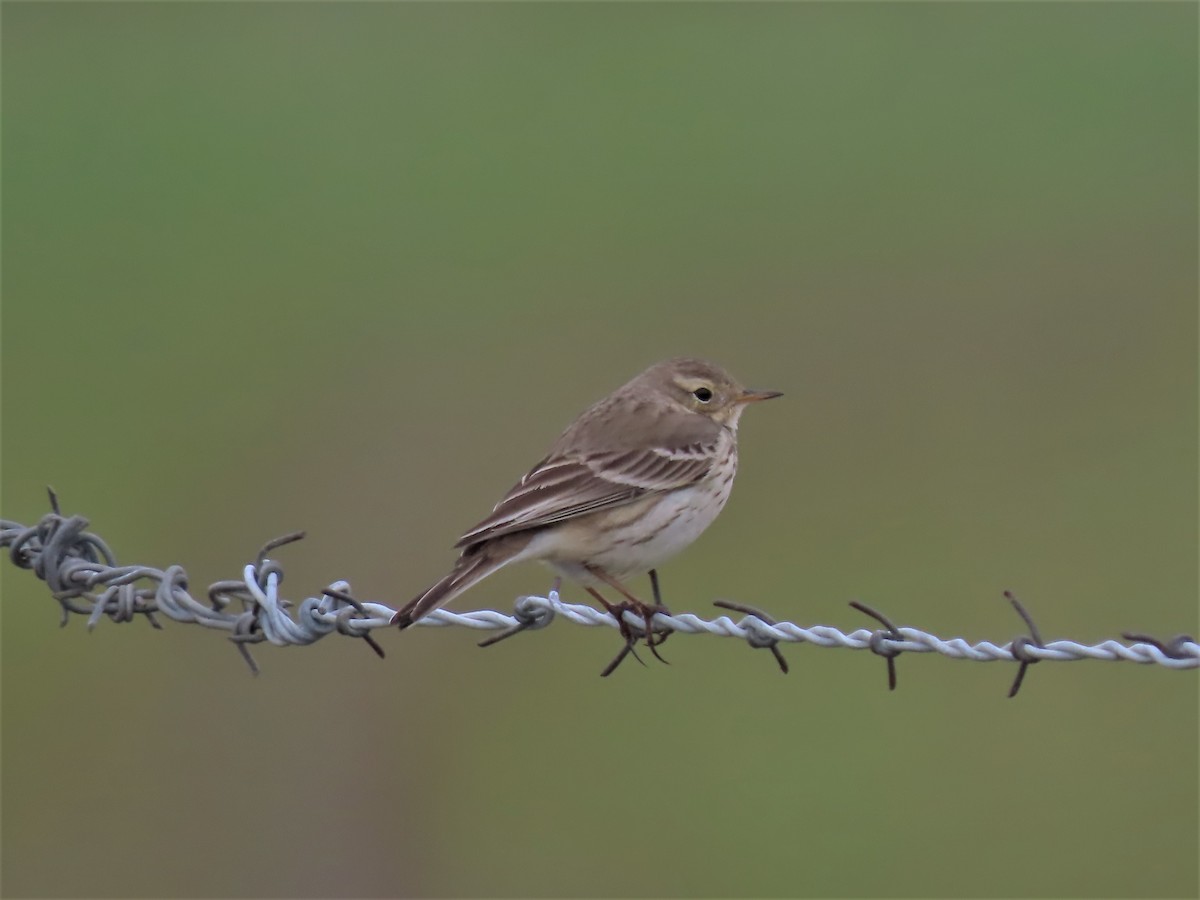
x,y
84,577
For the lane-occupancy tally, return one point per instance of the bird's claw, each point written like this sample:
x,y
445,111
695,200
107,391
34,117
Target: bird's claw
x,y
652,636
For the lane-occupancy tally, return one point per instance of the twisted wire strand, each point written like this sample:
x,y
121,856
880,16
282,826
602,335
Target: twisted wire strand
x,y
84,577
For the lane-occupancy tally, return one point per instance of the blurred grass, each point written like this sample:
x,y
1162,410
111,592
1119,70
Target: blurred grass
x,y
351,267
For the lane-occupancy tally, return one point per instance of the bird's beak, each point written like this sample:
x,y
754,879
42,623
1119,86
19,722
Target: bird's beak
x,y
756,396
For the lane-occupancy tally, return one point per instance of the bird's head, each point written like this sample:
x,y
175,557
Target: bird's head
x,y
703,388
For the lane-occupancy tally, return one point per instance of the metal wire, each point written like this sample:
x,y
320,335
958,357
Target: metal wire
x,y
84,577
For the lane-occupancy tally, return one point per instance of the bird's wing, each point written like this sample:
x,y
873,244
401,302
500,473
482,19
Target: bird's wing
x,y
566,486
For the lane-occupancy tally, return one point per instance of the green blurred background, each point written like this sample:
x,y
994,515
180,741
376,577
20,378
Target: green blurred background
x,y
350,268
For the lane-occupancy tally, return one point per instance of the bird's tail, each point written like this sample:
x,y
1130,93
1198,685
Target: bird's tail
x,y
476,564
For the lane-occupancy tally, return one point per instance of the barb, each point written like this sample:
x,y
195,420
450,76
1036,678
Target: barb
x,y
883,642
85,579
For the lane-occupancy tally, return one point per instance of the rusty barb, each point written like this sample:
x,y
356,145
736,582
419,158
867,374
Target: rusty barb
x,y
85,579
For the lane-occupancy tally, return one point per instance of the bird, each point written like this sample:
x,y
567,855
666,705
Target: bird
x,y
635,479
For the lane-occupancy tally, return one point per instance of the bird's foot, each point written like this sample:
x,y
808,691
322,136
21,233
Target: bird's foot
x,y
652,636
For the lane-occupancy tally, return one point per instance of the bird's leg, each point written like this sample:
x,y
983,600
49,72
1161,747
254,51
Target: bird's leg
x,y
635,605
658,604
654,587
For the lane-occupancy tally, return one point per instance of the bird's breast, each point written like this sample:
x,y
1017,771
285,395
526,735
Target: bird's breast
x,y
639,536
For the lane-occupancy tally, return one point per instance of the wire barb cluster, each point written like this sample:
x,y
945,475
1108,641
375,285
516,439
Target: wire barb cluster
x,y
84,577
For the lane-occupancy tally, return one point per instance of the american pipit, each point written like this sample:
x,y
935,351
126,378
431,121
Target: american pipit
x,y
635,479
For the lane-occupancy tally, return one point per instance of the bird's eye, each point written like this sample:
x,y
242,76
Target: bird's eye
x,y
702,394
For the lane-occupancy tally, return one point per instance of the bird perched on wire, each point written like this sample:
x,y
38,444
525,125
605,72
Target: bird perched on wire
x,y
635,479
